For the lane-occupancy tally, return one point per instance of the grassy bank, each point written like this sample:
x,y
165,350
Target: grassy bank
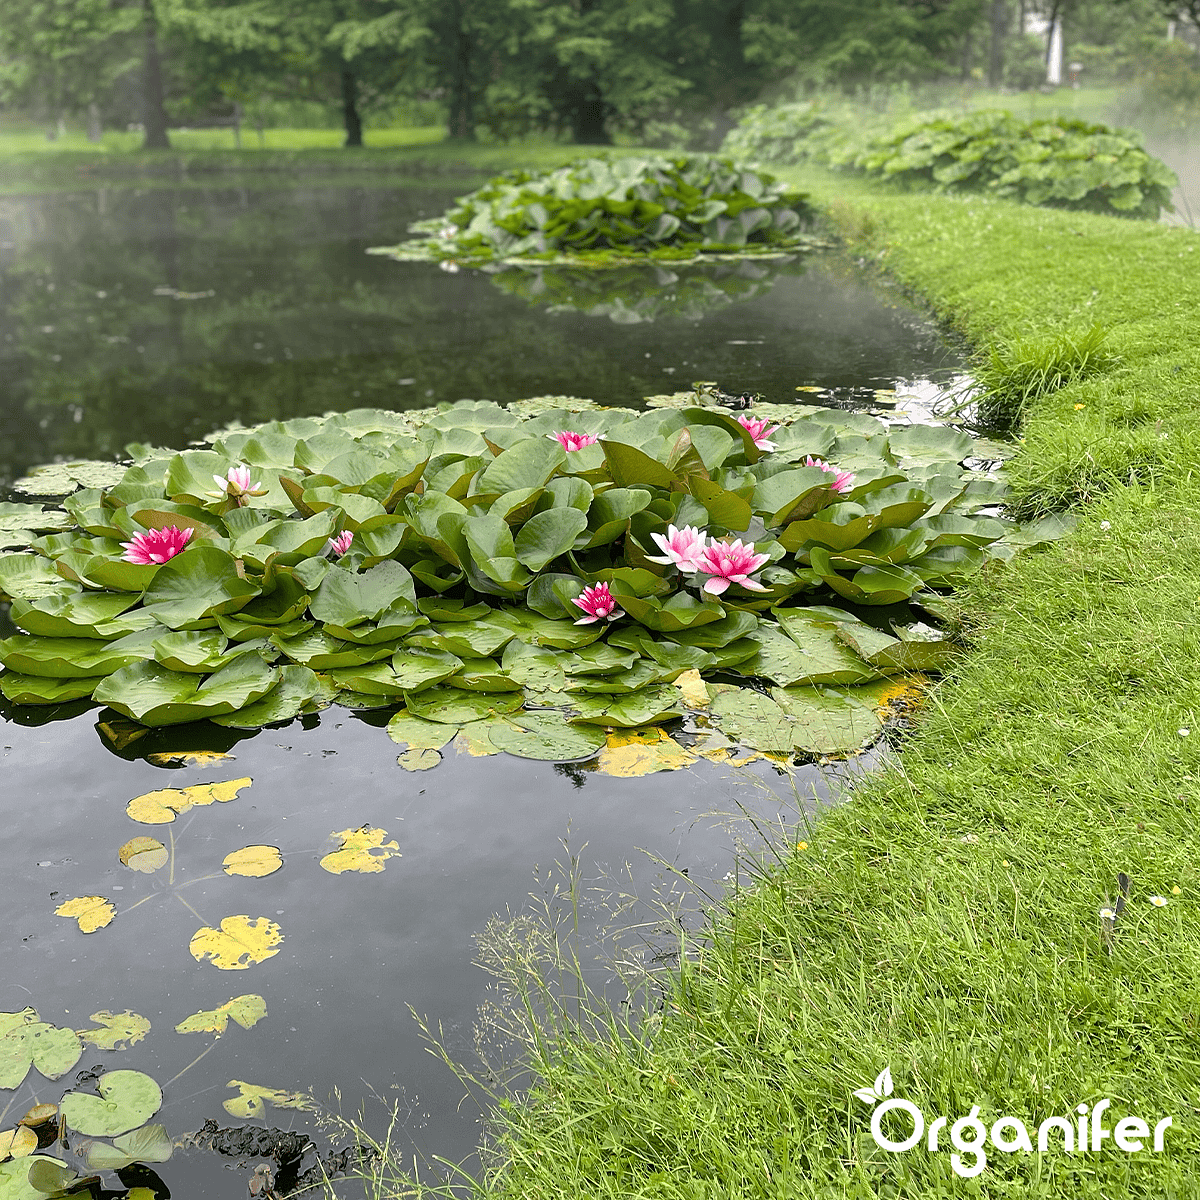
x,y
945,921
30,164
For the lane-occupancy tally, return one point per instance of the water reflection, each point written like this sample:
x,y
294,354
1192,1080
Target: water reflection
x,y
160,315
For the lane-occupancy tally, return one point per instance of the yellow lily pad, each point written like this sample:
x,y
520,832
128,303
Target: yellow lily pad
x,y
255,862
92,912
120,1030
693,689
252,1099
145,854
39,1114
241,942
17,1143
419,760
162,807
363,849
629,753
246,1011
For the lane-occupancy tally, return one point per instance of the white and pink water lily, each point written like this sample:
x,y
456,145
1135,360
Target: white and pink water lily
x,y
340,544
571,441
682,548
731,562
759,430
236,485
598,603
156,546
844,480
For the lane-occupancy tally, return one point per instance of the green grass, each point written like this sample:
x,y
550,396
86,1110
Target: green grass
x,y
944,920
72,164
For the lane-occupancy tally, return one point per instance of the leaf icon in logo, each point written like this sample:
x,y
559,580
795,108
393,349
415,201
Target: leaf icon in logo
x,y
866,1095
883,1083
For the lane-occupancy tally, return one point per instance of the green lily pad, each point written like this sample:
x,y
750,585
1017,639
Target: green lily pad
x,y
85,615
199,582
298,688
16,1173
416,669
546,736
31,577
61,479
155,696
53,1051
451,706
752,719
127,1100
150,1144
828,721
42,689
33,517
645,707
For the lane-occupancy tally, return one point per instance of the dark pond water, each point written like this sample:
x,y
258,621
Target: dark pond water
x,y
161,315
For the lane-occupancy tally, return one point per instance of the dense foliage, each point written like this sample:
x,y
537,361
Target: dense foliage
x,y
437,559
1060,163
671,207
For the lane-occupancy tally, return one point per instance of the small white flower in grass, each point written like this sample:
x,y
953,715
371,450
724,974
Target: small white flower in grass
x,y
970,838
1107,914
1106,525
1159,901
1184,731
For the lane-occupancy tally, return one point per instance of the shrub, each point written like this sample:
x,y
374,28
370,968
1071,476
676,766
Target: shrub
x,y
785,133
668,206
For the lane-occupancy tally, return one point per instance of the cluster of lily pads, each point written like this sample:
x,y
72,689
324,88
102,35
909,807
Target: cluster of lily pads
x,y
600,210
440,562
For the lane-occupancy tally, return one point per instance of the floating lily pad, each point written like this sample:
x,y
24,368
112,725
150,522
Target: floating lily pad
x,y
632,753
451,706
547,736
240,942
42,690
15,1177
162,806
118,1031
150,1144
155,696
92,912
245,1011
645,707
127,1099
53,1051
17,1143
364,850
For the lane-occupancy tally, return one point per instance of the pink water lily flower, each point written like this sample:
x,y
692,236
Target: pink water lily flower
x,y
156,545
844,481
574,441
682,548
731,562
236,485
598,603
759,431
340,544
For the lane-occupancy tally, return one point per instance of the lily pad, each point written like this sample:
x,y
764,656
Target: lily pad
x,y
644,707
92,912
364,850
632,753
452,706
127,1100
144,854
245,1011
15,1175
53,1051
254,862
150,1144
118,1031
829,721
546,736
240,942
42,690
155,696
162,806
251,1101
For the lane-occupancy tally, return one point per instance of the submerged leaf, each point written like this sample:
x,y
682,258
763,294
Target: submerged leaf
x,y
241,942
255,862
251,1101
145,854
363,849
150,1144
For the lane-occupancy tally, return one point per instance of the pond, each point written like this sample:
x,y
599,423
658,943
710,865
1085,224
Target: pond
x,y
159,316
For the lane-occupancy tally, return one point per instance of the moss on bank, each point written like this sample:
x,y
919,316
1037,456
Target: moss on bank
x,y
944,921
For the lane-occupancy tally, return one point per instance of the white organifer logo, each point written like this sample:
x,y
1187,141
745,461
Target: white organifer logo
x,y
969,1136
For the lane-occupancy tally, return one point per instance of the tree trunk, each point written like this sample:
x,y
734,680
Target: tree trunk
x,y
999,28
462,97
350,117
154,114
587,114
94,130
